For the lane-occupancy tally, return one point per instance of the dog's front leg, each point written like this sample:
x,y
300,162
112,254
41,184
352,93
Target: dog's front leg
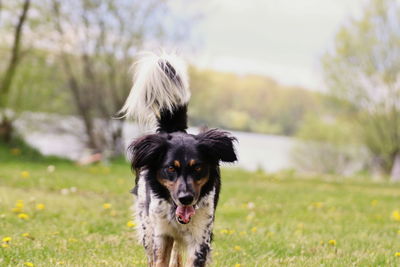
x,y
198,256
162,250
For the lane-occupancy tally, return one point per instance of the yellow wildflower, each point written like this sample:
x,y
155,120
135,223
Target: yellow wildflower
x,y
231,232
332,242
60,262
397,254
224,231
237,265
374,203
15,151
396,215
72,240
254,229
130,224
317,205
29,264
398,232
25,174
40,206
23,216
5,245
6,239
19,204
26,235
106,206
250,217
237,248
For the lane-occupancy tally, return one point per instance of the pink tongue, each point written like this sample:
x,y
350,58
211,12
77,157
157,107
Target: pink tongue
x,y
184,213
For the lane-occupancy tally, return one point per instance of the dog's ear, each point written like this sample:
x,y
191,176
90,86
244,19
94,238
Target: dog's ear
x,y
217,145
148,150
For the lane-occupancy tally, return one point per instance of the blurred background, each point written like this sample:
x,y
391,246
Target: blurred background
x,y
306,86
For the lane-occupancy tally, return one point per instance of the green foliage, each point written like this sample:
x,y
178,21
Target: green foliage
x,y
248,103
309,222
329,145
18,151
363,68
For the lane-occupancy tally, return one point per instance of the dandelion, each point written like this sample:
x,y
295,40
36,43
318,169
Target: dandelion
x,y
25,235
238,265
250,217
374,203
23,216
224,231
237,248
332,242
254,229
40,206
5,245
130,224
29,264
6,239
317,205
396,215
60,262
51,168
15,151
270,234
106,206
25,174
397,254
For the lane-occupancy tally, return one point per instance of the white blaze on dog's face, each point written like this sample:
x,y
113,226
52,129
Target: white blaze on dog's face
x,y
183,172
183,167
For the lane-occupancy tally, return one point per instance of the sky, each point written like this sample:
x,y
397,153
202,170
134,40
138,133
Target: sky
x,y
283,39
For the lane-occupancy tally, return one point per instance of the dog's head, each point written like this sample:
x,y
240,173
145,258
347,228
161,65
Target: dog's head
x,y
181,167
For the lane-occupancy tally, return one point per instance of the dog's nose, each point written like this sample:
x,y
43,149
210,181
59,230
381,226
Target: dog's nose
x,y
186,199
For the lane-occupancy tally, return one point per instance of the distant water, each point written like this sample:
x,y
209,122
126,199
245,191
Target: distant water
x,y
63,136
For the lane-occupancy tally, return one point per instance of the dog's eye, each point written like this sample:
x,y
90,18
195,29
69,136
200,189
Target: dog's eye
x,y
170,169
198,169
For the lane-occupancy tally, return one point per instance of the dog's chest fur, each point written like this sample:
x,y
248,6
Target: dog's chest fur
x,y
156,217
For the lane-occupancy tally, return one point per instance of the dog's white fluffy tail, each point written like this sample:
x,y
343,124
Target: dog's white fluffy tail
x,y
160,83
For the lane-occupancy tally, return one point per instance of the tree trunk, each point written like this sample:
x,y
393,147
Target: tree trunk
x,y
15,55
6,130
395,174
117,140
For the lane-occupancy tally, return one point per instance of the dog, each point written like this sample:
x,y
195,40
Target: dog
x,y
177,174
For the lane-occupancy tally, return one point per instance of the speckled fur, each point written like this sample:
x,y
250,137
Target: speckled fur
x,y
158,221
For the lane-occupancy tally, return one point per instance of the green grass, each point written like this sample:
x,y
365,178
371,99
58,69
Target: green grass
x,y
262,220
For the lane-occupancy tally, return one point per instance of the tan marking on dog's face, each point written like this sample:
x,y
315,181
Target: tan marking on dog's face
x,y
172,186
177,163
192,162
198,184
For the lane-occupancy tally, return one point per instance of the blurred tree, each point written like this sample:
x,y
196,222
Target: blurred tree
x,y
96,43
249,103
8,76
363,68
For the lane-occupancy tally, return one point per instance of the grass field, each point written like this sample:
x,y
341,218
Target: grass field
x,y
80,216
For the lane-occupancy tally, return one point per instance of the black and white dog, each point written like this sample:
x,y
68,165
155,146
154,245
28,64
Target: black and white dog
x,y
177,174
